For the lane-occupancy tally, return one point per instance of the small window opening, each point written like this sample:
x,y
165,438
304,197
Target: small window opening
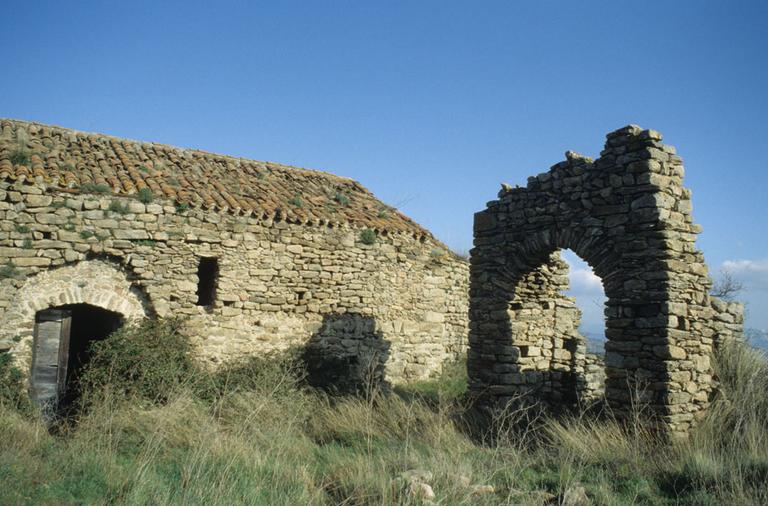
x,y
207,274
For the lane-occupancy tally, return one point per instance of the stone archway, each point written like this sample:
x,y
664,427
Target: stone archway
x,y
628,216
97,283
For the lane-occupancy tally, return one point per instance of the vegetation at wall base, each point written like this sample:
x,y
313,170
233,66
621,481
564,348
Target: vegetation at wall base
x,y
160,429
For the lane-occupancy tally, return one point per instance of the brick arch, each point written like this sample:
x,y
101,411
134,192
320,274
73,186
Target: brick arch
x,y
628,216
98,283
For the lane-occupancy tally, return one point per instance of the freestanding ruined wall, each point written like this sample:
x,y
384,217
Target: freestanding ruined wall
x,y
628,216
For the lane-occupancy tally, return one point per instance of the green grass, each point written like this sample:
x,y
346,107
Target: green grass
x,y
158,430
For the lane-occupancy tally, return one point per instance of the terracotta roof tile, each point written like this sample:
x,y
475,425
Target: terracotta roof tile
x,y
56,157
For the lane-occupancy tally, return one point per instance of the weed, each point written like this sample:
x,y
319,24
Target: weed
x,y
69,227
12,391
99,188
145,195
86,234
20,157
342,199
383,214
9,270
22,229
144,169
27,243
182,207
58,204
118,207
437,255
145,242
295,201
368,236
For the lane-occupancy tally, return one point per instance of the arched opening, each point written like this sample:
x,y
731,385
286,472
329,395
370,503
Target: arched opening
x,y
586,289
61,350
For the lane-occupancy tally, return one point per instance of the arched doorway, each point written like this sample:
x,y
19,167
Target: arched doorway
x,y
61,347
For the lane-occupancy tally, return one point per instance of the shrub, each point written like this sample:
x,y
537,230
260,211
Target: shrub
x,y
118,207
145,195
20,157
437,255
12,392
271,374
148,360
341,199
94,188
368,236
9,270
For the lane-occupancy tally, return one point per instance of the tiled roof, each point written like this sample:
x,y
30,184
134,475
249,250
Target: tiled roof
x,y
74,161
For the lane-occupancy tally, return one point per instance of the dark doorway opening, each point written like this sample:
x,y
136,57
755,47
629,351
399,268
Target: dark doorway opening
x,y
207,274
62,340
89,323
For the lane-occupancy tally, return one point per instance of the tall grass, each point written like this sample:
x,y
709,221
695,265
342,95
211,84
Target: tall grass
x,y
253,434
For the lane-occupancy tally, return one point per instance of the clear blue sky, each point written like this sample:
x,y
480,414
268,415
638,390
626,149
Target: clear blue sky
x,y
430,104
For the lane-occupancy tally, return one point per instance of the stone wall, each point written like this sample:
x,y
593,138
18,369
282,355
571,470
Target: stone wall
x,y
280,284
628,216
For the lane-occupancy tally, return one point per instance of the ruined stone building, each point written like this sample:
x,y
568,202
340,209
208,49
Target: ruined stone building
x,y
628,216
96,231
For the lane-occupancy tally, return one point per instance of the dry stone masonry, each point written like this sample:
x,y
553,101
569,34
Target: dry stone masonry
x,y
258,256
628,216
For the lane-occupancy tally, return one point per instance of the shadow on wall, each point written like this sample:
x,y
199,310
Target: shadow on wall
x,y
347,354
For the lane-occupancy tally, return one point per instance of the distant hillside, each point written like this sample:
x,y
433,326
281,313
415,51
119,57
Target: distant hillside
x,y
596,340
757,338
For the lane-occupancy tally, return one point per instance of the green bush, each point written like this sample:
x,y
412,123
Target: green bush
x,y
342,199
368,236
94,188
148,360
12,391
118,207
145,195
20,157
270,374
9,270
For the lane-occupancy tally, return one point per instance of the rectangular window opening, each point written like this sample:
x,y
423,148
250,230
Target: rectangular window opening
x,y
207,275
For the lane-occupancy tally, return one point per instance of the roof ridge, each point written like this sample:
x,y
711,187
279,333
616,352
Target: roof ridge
x,y
75,161
154,144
